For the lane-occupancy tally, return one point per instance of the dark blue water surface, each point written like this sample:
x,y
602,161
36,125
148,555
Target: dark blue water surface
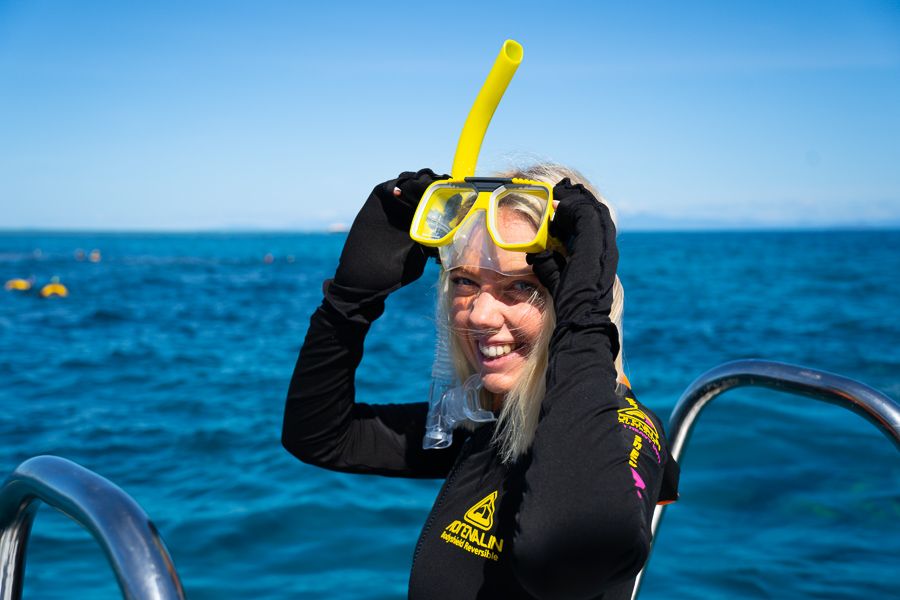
x,y
165,371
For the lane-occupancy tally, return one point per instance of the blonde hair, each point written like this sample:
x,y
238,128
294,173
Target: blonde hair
x,y
518,418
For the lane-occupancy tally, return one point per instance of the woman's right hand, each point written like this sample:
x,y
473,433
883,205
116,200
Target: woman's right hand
x,y
379,256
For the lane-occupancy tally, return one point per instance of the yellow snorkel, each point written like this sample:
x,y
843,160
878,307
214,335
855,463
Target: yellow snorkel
x,y
479,118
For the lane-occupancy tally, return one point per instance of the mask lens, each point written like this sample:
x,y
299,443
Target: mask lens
x,y
518,213
445,207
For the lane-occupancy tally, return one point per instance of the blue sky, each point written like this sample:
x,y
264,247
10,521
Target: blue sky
x,y
275,115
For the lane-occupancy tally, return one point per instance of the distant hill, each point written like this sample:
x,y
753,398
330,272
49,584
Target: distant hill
x,y
643,222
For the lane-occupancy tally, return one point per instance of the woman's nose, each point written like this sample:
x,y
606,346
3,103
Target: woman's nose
x,y
486,312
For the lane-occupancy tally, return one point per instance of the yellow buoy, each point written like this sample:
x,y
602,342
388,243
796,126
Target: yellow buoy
x,y
19,285
54,288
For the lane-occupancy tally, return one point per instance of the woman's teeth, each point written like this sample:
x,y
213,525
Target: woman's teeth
x,y
495,351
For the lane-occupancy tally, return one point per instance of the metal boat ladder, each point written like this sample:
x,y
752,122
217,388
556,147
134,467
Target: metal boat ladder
x,y
875,407
129,539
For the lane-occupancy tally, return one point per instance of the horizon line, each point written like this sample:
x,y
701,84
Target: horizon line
x,y
891,226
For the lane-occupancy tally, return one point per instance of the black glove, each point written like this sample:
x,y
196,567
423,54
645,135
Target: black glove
x,y
582,284
379,256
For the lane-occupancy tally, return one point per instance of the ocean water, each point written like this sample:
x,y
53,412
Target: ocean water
x,y
165,371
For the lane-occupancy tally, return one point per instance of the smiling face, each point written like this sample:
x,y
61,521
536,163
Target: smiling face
x,y
496,313
497,320
496,307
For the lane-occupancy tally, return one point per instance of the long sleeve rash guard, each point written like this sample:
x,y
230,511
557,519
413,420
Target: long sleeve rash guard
x,y
571,519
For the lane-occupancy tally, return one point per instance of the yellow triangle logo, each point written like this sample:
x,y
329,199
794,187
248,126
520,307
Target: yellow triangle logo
x,y
482,514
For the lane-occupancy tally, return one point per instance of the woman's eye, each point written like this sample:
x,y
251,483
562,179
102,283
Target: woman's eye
x,y
463,282
524,287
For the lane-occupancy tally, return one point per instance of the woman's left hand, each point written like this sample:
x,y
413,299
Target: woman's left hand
x,y
582,283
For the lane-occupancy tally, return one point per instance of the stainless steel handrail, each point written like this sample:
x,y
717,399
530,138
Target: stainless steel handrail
x,y
875,407
129,539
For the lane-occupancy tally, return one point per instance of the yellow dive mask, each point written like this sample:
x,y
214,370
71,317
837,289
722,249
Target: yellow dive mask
x,y
517,211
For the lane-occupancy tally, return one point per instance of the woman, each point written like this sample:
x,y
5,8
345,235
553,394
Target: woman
x,y
555,498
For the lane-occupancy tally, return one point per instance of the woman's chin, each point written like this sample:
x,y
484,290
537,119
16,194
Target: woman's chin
x,y
500,374
498,383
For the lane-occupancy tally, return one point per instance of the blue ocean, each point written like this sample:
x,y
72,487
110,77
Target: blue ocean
x,y
166,367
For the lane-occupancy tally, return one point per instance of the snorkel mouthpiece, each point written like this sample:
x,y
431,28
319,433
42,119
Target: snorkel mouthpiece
x,y
456,405
450,402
